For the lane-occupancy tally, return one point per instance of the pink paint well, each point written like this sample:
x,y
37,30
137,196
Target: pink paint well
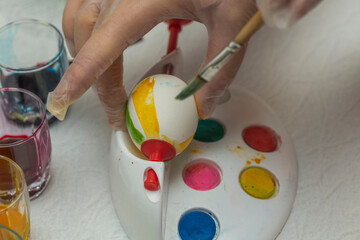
x,y
202,175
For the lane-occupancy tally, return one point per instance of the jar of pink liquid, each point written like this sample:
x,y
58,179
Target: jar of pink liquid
x,y
25,136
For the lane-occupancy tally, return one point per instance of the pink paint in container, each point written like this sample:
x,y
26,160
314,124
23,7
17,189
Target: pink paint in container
x,y
202,175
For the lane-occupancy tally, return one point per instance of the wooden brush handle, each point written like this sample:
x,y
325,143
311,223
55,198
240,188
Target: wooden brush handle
x,y
249,29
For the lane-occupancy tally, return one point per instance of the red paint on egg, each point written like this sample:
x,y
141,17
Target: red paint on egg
x,y
202,176
261,138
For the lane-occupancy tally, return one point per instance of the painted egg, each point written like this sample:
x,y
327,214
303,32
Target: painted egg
x,y
154,113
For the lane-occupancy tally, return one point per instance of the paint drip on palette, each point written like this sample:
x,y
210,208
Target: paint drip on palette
x,y
154,113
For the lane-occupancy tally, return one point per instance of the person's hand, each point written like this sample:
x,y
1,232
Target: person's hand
x,y
98,31
284,13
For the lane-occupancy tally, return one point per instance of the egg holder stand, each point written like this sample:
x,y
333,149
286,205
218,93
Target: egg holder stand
x,y
146,214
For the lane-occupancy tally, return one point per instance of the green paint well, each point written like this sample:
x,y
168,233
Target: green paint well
x,y
209,130
134,132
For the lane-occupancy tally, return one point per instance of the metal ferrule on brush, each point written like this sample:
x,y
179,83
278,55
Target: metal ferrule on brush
x,y
211,69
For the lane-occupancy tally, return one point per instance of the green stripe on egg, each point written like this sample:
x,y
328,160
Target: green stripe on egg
x,y
135,133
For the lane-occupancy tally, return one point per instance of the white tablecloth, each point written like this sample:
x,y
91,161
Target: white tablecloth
x,y
308,74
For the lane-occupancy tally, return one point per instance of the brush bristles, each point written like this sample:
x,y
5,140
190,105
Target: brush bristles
x,y
191,88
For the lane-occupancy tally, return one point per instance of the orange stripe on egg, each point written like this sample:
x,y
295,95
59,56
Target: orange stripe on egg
x,y
178,146
185,143
143,99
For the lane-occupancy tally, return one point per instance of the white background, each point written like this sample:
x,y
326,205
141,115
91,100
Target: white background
x,y
308,74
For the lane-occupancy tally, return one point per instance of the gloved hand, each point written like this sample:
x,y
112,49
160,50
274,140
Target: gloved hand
x,y
284,13
98,31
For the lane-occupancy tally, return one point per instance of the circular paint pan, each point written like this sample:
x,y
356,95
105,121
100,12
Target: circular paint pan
x,y
259,182
209,130
202,175
198,224
261,138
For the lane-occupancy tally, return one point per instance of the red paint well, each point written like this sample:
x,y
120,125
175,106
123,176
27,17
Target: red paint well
x,y
202,176
261,138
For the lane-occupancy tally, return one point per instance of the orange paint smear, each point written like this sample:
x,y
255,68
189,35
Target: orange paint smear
x,y
237,150
255,157
14,219
194,150
259,158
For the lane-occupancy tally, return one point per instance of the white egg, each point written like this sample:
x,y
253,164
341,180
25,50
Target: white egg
x,y
154,113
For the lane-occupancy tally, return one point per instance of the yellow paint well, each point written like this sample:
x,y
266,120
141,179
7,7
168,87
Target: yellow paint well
x,y
258,182
143,99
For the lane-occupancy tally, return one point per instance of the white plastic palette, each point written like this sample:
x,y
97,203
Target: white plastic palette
x,y
233,210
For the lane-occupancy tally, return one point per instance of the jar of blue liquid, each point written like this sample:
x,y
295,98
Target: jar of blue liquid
x,y
33,57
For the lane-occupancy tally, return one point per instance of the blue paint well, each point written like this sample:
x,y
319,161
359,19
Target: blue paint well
x,y
197,225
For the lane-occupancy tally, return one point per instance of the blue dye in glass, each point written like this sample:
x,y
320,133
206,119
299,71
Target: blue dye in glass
x,y
197,225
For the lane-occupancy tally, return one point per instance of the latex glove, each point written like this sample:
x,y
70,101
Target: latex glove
x,y
98,31
284,13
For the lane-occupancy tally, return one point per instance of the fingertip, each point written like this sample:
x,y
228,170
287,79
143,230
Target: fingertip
x,y
55,107
207,109
205,106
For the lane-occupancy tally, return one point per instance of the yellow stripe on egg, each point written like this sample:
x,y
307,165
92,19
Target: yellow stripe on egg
x,y
178,146
143,100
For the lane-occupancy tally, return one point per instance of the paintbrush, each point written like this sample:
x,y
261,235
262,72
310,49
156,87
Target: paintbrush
x,y
212,68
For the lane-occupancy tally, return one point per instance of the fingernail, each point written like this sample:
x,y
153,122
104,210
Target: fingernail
x,y
56,107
